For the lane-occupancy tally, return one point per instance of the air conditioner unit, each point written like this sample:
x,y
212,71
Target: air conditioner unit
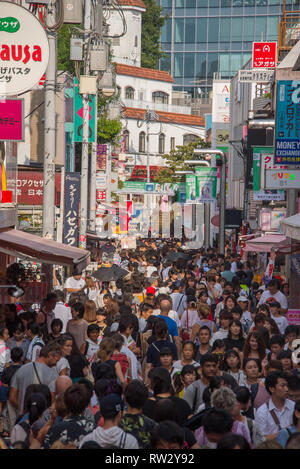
x,y
98,62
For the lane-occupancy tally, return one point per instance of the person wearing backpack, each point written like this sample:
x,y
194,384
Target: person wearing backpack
x,y
285,433
110,435
34,334
35,406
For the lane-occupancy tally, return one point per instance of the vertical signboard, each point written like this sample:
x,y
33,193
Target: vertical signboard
x,y
190,189
206,184
262,160
78,115
101,157
287,137
71,218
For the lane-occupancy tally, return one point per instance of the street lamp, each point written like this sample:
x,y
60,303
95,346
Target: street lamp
x,y
222,188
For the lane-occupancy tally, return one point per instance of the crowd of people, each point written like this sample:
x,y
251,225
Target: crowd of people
x,y
187,351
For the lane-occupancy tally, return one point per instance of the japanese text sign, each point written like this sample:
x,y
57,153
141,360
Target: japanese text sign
x,y
293,316
71,218
287,137
12,120
30,188
282,179
24,50
264,54
101,157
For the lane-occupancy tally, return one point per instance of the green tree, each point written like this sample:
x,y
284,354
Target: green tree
x,y
109,130
63,49
175,161
152,22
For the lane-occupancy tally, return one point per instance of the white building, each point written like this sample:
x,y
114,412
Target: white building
x,y
143,88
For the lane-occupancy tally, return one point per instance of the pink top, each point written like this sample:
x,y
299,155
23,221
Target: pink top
x,y
238,428
188,319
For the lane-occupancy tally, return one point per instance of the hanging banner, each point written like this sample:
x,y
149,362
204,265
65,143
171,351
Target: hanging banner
x,y
190,189
101,157
78,115
206,184
287,136
71,218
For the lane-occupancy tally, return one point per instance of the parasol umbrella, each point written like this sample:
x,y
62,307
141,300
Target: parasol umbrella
x,y
174,256
107,274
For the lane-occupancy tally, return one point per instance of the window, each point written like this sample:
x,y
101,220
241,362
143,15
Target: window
x,y
160,97
172,143
126,140
178,65
166,31
190,27
129,93
189,138
179,30
213,29
161,144
201,29
237,28
142,140
189,65
118,91
225,30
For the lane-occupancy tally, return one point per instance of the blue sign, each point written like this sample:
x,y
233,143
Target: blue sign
x,y
287,143
71,218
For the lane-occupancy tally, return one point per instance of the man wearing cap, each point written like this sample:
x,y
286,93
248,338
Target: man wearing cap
x,y
274,293
280,320
246,319
110,435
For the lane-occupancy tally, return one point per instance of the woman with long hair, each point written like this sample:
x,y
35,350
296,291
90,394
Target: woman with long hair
x,y
104,355
77,326
235,339
272,327
90,289
259,394
232,365
90,315
35,406
255,348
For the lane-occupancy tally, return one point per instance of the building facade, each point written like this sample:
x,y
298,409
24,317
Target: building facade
x,y
203,37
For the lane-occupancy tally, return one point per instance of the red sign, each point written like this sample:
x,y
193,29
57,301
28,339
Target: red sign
x,y
140,172
264,55
30,188
12,120
101,195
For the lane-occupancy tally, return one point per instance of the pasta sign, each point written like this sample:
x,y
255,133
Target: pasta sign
x,y
24,50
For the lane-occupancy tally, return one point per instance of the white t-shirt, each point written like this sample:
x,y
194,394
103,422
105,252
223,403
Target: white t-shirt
x,y
71,282
150,270
63,313
279,296
281,322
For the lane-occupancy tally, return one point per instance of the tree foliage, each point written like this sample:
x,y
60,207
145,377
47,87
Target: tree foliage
x,y
175,161
109,130
63,49
152,22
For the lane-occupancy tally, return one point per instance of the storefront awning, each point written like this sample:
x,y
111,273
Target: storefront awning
x,y
267,243
291,226
30,247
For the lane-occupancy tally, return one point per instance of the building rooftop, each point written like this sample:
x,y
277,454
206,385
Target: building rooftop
x,y
140,72
133,3
171,117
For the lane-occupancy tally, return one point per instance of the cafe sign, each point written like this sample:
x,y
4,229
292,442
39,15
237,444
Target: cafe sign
x,y
24,50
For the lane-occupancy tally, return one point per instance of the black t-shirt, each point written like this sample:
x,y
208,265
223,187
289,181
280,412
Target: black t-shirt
x,y
8,373
153,352
77,364
183,409
234,343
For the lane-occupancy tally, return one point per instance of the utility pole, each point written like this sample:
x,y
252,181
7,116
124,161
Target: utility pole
x,y
85,133
50,128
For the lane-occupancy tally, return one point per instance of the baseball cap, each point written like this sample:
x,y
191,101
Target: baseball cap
x,y
110,406
150,291
274,303
243,298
